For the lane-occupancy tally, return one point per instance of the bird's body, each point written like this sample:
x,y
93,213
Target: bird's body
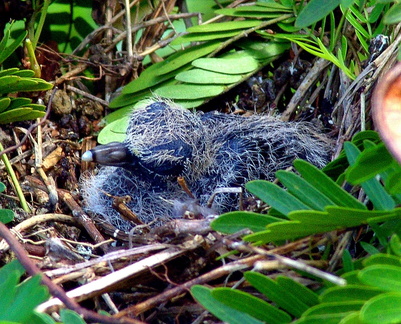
x,y
209,151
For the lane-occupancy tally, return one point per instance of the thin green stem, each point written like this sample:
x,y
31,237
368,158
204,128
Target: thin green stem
x,y
15,182
35,67
43,13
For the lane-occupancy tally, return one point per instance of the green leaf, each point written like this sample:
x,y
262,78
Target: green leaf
x,y
349,293
235,221
8,71
373,188
29,295
8,288
148,78
13,83
249,12
324,318
348,265
393,15
204,296
340,217
114,132
385,277
367,165
2,187
275,196
71,317
6,51
262,50
201,37
385,308
305,192
233,64
395,245
314,11
228,25
326,186
4,103
6,216
19,102
251,305
24,73
276,293
20,114
189,91
382,259
302,293
333,308
285,231
129,99
393,181
207,77
181,58
189,103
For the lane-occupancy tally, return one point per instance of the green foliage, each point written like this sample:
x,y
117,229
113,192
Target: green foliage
x,y
6,215
7,49
196,73
372,295
314,203
14,80
20,299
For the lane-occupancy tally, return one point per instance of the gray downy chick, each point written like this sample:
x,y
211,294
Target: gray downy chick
x,y
209,150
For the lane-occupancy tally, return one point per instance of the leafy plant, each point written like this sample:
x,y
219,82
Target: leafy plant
x,y
314,203
372,295
20,298
6,215
13,80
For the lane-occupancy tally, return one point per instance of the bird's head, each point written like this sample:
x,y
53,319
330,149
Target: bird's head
x,y
161,141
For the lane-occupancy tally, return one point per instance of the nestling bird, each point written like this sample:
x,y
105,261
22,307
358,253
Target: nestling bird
x,y
209,150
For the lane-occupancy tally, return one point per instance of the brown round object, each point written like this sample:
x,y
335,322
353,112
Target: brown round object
x,y
386,105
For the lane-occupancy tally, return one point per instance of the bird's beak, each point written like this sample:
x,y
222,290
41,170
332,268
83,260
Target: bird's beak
x,y
112,154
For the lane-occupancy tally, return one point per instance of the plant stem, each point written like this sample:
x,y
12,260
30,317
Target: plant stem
x,y
35,67
15,182
43,12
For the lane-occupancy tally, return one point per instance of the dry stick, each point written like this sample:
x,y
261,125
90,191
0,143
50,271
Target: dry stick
x,y
55,290
310,78
88,95
148,23
167,295
212,275
34,220
240,246
82,218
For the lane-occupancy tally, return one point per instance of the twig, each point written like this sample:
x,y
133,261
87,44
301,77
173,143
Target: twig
x,y
82,218
129,32
241,246
310,78
35,220
108,282
145,24
88,95
55,290
224,270
109,257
